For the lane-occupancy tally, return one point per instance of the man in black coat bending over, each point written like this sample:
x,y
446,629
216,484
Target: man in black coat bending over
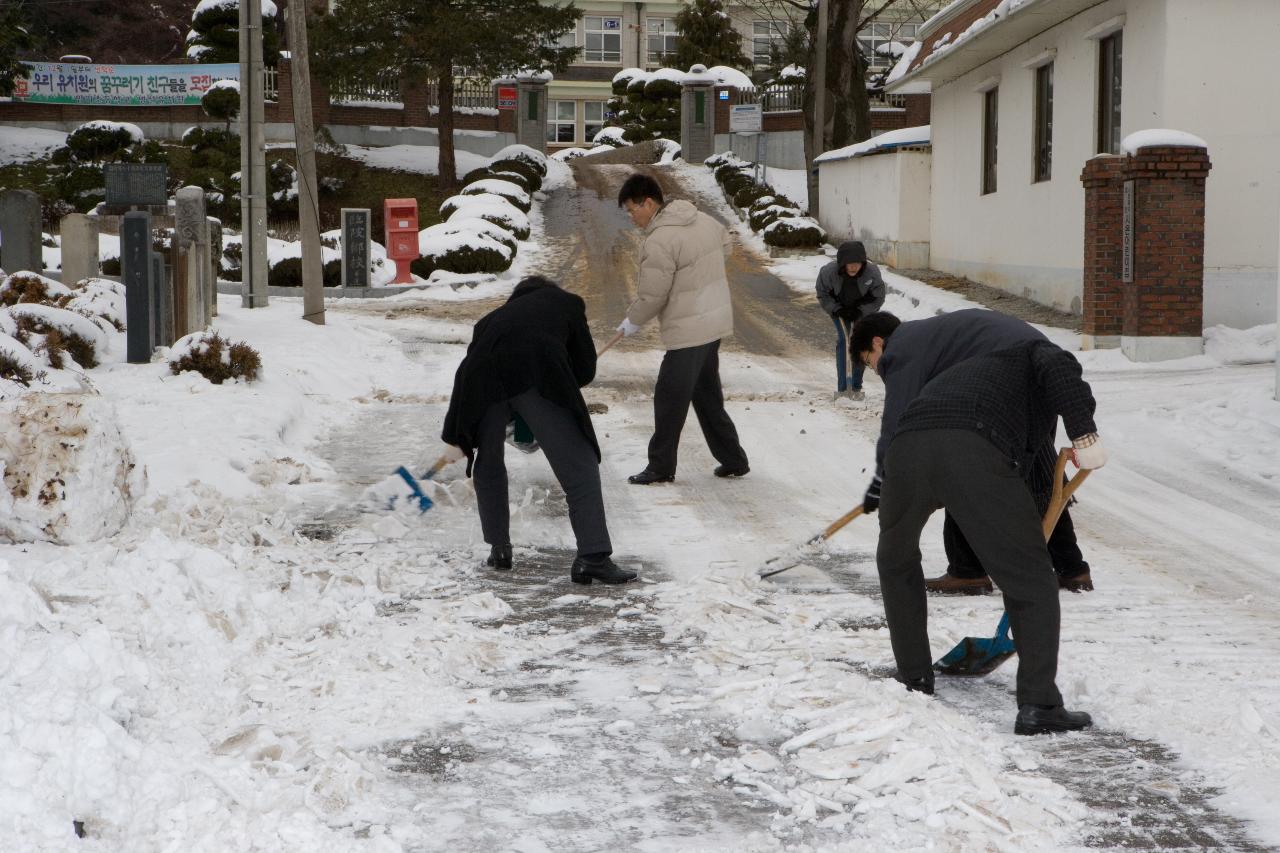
x,y
530,358
965,444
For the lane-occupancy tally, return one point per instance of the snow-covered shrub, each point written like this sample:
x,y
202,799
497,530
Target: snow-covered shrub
x,y
715,161
504,189
69,476
474,225
736,181
30,287
729,167
564,155
530,174
94,141
762,215
222,102
794,232
287,272
522,154
214,28
491,207
215,358
17,363
460,252
668,150
54,333
614,137
99,299
623,79
747,196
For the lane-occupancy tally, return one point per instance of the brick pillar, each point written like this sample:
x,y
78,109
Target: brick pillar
x,y
1164,303
415,95
1103,225
284,91
722,109
531,113
319,100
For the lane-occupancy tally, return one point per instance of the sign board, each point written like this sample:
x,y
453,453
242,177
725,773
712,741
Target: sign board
x,y
136,183
746,118
612,23
119,85
1126,235
355,246
724,94
506,97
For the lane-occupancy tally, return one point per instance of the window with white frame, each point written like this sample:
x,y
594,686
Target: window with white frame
x,y
765,36
877,39
1110,51
662,39
562,121
569,39
592,119
603,38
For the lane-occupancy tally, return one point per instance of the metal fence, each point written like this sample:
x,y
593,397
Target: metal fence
x,y
777,98
385,89
883,101
467,94
270,84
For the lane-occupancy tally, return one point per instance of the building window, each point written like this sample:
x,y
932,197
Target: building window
x,y
603,39
1109,79
766,35
990,106
884,41
1044,122
562,121
662,39
592,119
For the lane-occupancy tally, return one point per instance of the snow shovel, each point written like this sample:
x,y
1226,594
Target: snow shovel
x,y
415,486
781,563
609,344
981,655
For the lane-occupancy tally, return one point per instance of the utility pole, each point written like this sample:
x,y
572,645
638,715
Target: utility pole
x,y
1277,388
304,138
819,103
253,159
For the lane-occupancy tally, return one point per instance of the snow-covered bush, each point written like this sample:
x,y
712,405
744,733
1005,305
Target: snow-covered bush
x,y
611,136
215,358
287,272
94,141
521,154
749,194
504,189
715,161
530,175
668,150
493,208
474,225
769,208
460,251
17,364
55,333
564,155
69,476
794,232
215,25
99,299
222,102
663,84
30,287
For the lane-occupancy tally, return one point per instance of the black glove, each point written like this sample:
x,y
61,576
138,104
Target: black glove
x,y
849,313
871,500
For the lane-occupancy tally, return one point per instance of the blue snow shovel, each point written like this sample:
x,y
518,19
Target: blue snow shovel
x,y
415,486
981,655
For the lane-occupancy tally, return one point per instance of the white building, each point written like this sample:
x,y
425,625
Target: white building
x,y
1024,91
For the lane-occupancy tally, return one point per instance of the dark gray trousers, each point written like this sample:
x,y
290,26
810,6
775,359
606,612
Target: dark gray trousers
x,y
962,472
572,460
692,375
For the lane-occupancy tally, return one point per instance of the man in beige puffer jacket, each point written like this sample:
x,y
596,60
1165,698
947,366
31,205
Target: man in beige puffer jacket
x,y
682,282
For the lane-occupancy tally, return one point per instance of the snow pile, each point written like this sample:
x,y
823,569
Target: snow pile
x,y
1226,345
792,74
731,77
670,151
904,62
1158,138
885,141
20,144
69,476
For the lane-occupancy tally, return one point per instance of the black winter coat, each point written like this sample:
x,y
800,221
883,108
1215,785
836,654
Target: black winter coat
x,y
539,339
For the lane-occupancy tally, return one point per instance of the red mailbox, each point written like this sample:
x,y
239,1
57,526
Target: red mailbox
x,y
400,216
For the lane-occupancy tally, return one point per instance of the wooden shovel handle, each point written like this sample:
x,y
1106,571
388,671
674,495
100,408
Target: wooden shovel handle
x,y
604,349
835,526
1061,492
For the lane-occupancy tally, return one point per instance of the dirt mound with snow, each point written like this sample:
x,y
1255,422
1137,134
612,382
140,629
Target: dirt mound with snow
x,y
69,477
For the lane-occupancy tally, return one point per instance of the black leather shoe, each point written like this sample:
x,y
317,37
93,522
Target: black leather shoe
x,y
727,471
647,478
500,557
586,569
923,684
1048,719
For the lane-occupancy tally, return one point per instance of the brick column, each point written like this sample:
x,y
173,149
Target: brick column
x,y
697,118
1103,225
531,113
284,91
415,95
1164,303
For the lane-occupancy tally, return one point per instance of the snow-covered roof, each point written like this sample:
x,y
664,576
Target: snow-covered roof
x,y
1158,138
876,144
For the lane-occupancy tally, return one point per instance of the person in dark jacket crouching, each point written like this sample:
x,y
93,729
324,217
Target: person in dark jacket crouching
x,y
965,444
530,358
849,288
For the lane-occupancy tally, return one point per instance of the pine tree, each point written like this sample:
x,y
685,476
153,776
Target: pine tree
x,y
15,38
215,32
707,36
430,39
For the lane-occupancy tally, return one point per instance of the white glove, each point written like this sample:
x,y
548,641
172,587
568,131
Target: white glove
x,y
628,328
1089,452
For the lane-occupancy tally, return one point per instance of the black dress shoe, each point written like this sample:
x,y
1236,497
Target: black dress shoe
x,y
923,684
732,471
500,557
586,569
647,477
1048,719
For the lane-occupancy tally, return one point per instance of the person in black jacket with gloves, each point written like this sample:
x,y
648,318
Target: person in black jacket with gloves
x,y
849,288
530,358
965,444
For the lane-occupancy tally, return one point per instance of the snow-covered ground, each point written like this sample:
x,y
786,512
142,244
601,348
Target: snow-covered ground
x,y
268,659
19,144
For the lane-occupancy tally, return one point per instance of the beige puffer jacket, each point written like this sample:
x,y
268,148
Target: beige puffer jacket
x,y
682,278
